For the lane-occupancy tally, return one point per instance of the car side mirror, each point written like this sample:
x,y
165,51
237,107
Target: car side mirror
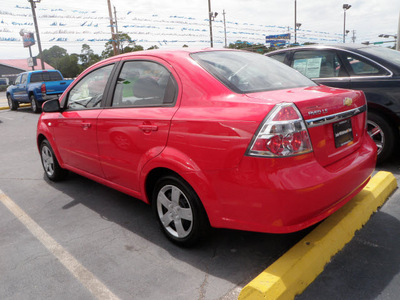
x,y
51,106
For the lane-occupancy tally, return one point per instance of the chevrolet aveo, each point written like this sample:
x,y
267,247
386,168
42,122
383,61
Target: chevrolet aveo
x,y
224,138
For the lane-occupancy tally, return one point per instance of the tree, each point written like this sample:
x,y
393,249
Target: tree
x,y
88,57
126,44
69,66
153,47
53,55
244,45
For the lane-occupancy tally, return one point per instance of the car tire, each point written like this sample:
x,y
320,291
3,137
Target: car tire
x,y
11,103
34,104
50,163
383,135
179,211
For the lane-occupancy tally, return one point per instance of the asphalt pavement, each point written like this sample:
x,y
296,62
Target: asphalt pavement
x,y
115,239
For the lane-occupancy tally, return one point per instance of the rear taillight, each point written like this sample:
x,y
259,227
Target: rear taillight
x,y
43,89
282,133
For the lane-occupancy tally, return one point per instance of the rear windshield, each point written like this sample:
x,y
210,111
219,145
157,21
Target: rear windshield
x,y
46,76
390,55
245,72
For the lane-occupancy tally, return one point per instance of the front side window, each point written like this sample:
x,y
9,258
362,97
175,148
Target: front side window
x,y
318,64
88,92
18,80
363,67
144,83
23,78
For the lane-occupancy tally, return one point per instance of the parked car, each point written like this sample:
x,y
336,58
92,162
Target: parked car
x,y
371,69
224,138
35,87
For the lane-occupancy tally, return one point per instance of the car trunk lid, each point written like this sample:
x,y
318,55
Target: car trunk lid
x,y
335,118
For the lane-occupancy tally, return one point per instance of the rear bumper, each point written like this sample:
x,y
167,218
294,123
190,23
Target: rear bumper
x,y
287,194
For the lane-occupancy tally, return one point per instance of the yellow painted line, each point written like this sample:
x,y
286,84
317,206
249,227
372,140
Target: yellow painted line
x,y
94,285
296,269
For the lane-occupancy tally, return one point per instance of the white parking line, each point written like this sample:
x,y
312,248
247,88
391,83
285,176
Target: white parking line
x,y
94,285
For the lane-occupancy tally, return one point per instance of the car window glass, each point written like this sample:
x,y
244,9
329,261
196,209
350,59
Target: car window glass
x,y
23,78
18,80
318,64
88,92
144,83
279,57
245,72
36,77
361,67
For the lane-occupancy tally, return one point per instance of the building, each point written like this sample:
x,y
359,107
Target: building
x,y
10,68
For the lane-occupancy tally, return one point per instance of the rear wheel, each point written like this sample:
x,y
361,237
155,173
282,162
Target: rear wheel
x,y
179,211
50,164
34,104
383,135
13,105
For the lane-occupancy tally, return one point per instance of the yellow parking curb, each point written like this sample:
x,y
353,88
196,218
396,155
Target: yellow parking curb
x,y
297,268
21,105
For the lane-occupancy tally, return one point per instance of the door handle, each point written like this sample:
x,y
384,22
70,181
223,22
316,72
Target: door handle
x,y
148,128
86,126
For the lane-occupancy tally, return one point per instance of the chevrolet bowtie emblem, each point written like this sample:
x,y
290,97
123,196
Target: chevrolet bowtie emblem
x,y
347,101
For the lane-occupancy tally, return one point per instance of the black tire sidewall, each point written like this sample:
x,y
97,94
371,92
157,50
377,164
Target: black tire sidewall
x,y
35,109
199,225
11,103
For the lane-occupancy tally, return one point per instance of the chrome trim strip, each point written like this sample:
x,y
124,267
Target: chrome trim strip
x,y
335,117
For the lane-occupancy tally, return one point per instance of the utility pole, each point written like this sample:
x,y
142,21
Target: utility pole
x,y
210,21
354,36
398,37
116,28
33,6
112,28
223,12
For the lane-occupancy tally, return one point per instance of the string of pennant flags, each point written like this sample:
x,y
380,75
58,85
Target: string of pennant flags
x,y
91,26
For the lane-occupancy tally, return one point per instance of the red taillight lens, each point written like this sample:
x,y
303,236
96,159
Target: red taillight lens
x,y
283,133
43,88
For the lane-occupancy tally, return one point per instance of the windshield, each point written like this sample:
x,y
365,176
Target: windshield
x,y
390,55
245,72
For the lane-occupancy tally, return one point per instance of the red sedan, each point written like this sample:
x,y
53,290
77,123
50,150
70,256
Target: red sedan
x,y
224,138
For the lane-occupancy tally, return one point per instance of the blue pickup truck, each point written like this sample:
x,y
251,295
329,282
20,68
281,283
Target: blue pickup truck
x,y
35,87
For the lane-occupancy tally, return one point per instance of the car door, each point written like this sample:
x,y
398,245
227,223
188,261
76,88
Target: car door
x,y
20,93
370,77
135,126
75,128
321,65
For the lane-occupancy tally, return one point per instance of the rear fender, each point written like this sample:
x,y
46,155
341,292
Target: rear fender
x,y
180,163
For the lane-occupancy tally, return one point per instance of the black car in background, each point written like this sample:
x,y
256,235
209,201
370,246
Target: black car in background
x,y
374,70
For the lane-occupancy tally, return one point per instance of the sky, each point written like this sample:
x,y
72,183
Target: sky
x,y
172,24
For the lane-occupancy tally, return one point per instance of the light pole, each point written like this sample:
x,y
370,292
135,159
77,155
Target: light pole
x,y
345,8
298,25
295,21
211,17
33,6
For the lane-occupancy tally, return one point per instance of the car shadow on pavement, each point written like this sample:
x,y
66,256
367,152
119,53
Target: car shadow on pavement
x,y
235,256
365,268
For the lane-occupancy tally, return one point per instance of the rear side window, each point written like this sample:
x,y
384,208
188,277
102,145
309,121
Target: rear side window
x,y
279,56
363,67
318,64
144,83
245,72
46,76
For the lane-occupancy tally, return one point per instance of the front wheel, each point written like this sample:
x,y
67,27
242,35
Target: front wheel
x,y
34,104
50,164
13,105
179,211
383,135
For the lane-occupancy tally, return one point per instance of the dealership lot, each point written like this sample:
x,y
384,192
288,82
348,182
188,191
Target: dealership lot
x,y
107,236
